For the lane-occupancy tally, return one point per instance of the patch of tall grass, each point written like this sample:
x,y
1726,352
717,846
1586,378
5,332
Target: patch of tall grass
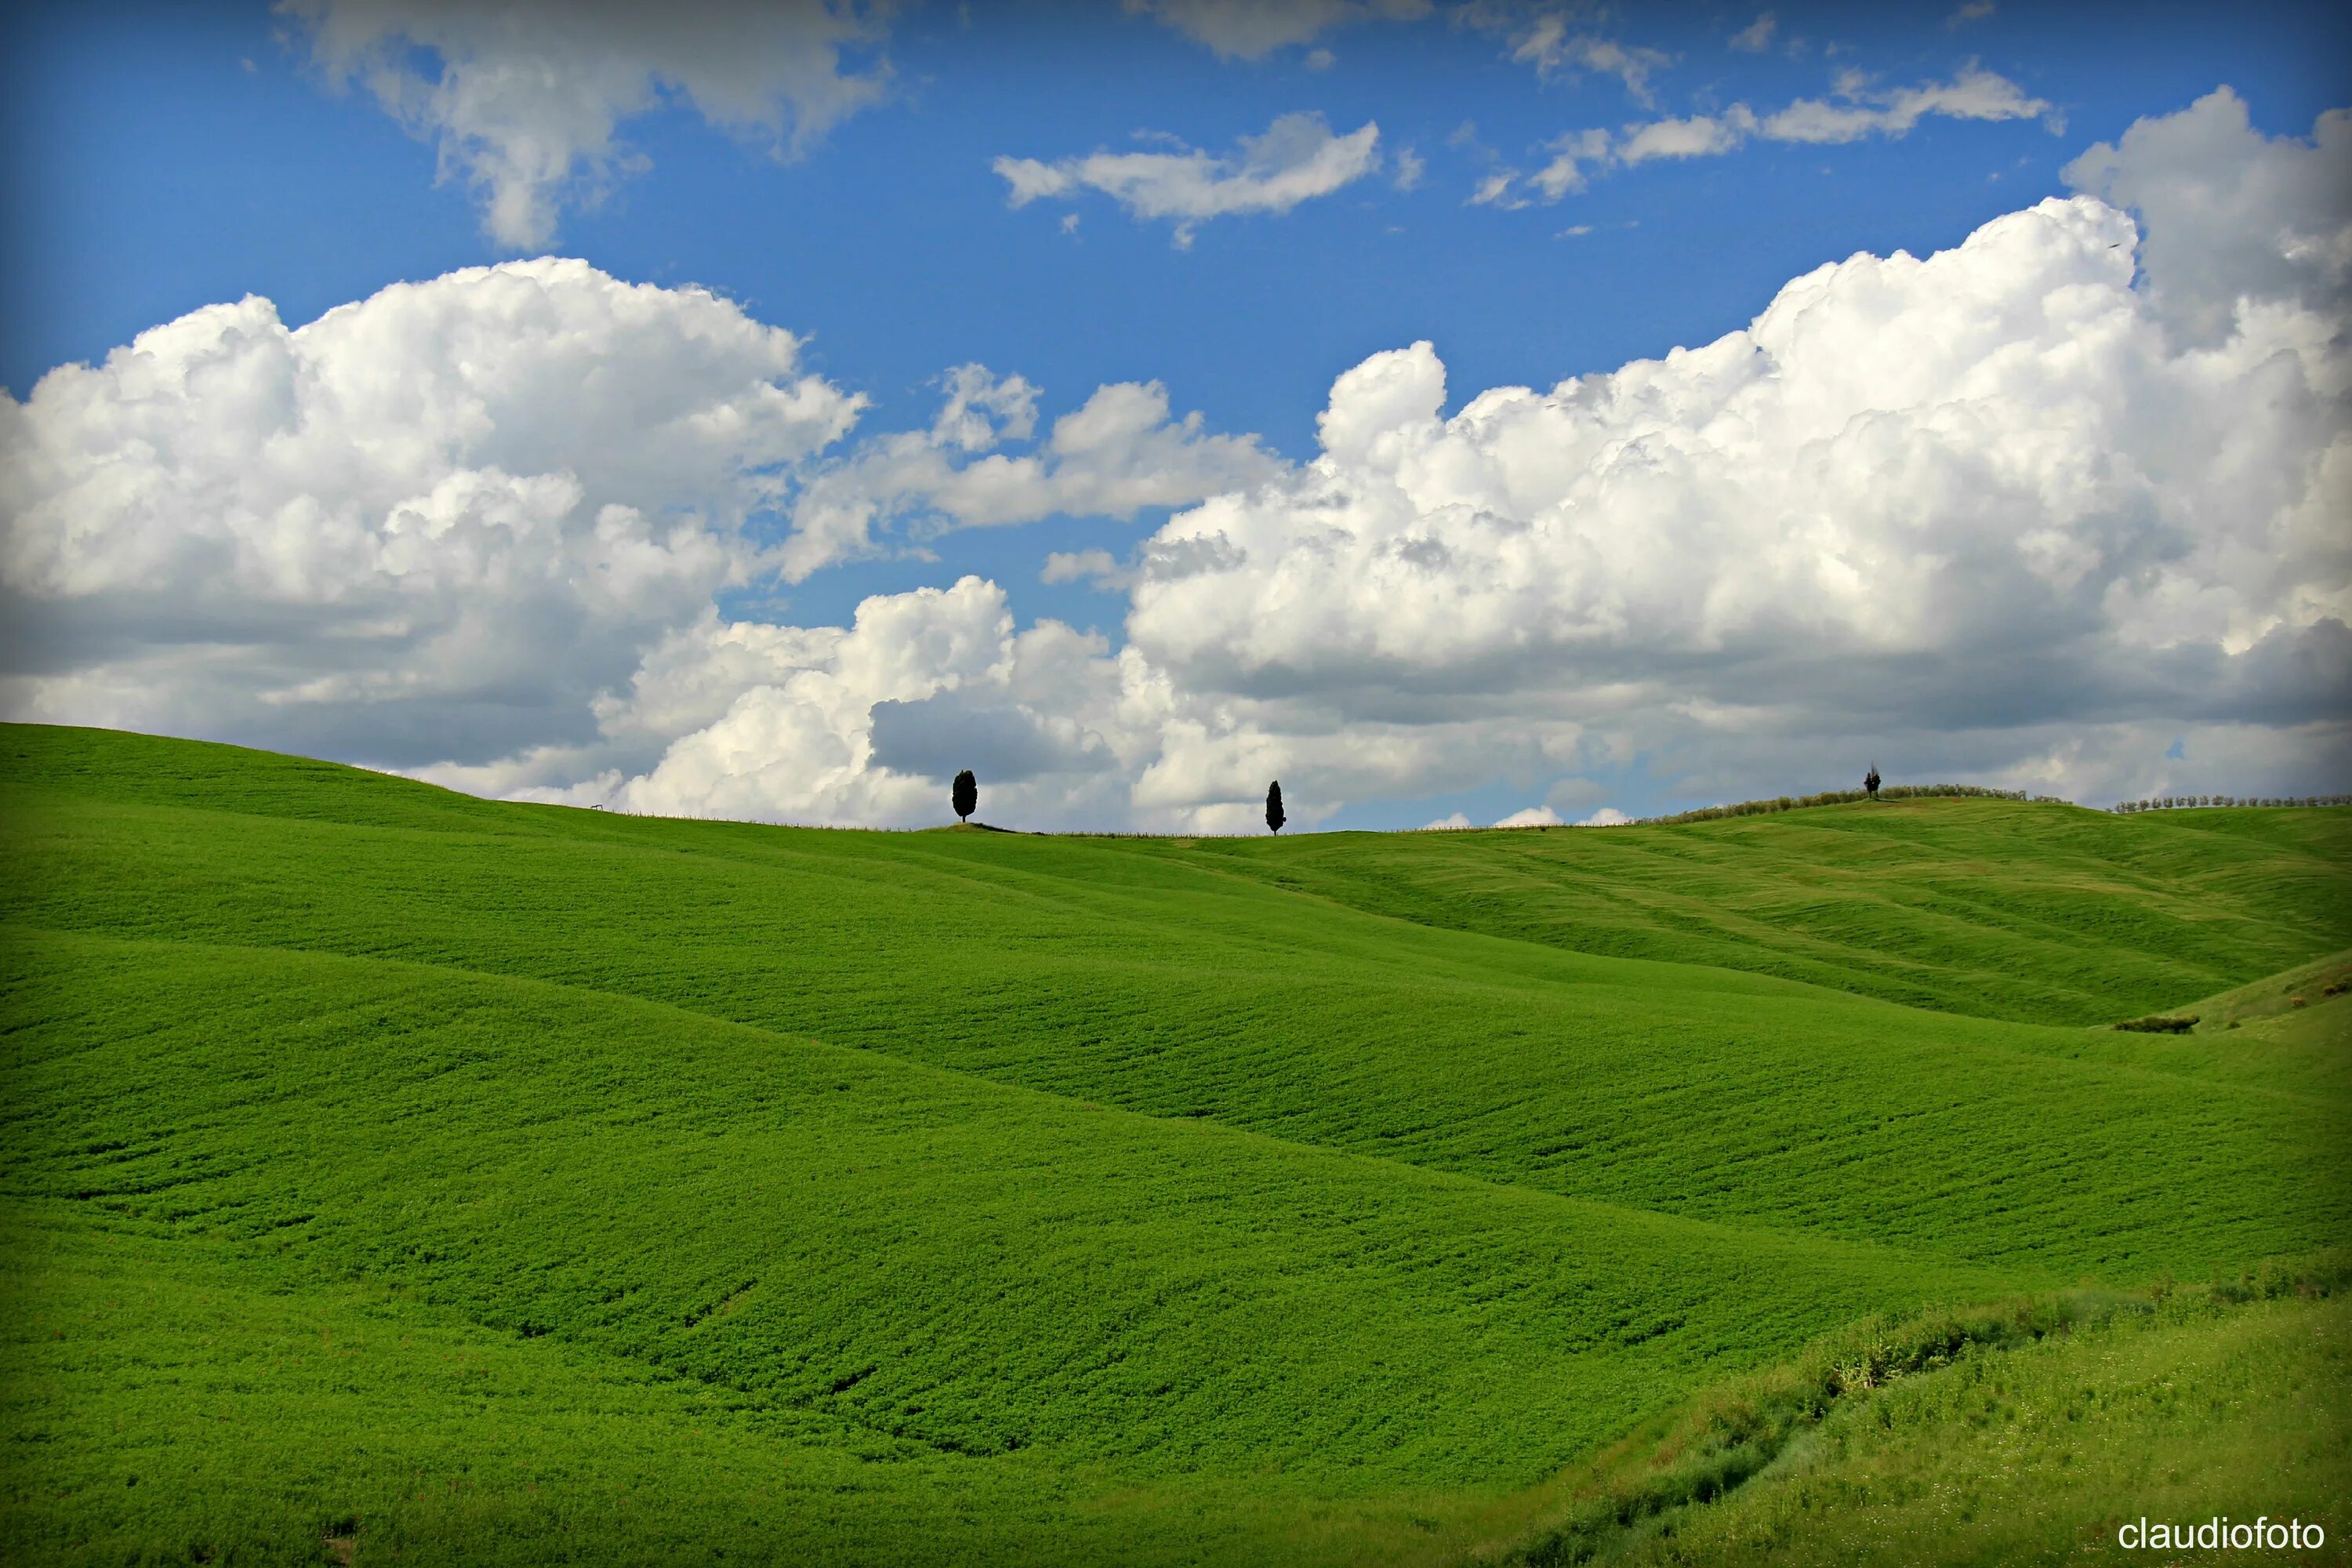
x,y
1650,1485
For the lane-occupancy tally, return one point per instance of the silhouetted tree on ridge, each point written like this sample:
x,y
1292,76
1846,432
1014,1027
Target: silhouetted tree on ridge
x,y
1274,817
1870,782
965,797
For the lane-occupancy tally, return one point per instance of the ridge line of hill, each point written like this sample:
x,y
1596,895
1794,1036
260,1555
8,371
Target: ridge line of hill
x,y
1016,880
197,775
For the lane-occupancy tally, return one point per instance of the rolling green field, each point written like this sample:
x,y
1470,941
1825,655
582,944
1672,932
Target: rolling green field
x,y
392,1174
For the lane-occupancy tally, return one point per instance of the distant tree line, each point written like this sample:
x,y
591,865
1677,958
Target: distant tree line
x,y
1841,797
2178,802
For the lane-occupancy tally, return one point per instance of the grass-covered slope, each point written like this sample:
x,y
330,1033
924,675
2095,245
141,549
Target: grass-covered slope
x,y
923,1255
974,1196
1984,907
1137,975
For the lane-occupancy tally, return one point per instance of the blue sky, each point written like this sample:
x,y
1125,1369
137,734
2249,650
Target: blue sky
x,y
169,158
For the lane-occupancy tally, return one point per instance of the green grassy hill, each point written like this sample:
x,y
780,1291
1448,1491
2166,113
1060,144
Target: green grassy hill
x,y
501,1182
1985,908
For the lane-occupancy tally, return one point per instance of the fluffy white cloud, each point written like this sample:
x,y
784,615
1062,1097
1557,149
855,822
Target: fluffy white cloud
x,y
865,724
1297,159
1096,566
1607,817
1495,189
1251,29
1699,136
529,94
1533,816
2232,214
1119,453
432,523
1854,113
801,741
1898,457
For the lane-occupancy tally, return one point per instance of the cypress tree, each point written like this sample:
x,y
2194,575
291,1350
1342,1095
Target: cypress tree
x,y
966,796
1274,817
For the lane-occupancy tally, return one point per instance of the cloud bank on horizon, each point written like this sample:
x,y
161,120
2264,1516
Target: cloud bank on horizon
x,y
2013,508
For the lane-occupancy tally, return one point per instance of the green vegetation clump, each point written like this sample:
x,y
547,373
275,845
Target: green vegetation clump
x,y
2185,1407
1641,1499
2159,1023
389,1172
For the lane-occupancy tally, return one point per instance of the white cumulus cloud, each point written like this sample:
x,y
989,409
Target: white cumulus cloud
x,y
431,523
2230,214
525,98
1121,451
865,724
1096,566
